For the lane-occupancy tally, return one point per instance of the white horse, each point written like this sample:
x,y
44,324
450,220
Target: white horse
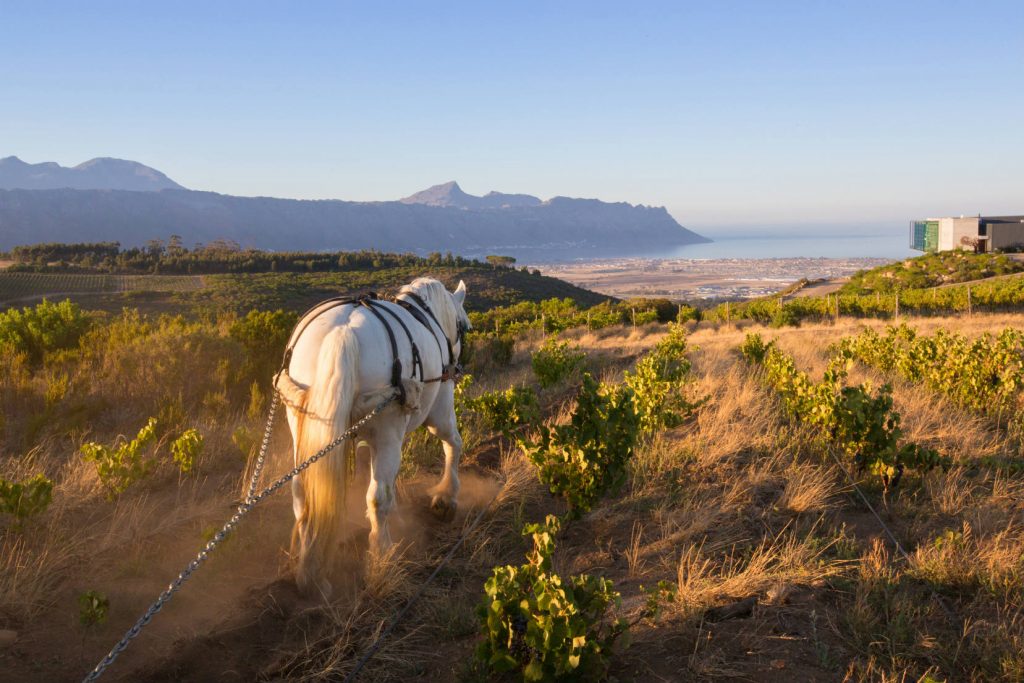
x,y
340,369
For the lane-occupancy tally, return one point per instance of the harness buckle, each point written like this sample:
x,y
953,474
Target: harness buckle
x,y
452,371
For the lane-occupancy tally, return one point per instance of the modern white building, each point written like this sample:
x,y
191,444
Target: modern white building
x,y
973,233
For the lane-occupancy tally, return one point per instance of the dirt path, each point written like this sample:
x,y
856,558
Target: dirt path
x,y
46,295
994,278
820,288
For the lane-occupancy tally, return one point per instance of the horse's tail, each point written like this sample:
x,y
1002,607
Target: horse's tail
x,y
324,413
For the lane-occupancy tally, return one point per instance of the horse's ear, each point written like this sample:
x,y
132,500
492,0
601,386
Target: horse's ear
x,y
460,293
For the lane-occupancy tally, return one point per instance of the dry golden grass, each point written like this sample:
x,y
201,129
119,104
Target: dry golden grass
x,y
736,503
807,489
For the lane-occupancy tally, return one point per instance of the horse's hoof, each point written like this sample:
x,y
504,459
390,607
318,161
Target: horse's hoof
x,y
442,509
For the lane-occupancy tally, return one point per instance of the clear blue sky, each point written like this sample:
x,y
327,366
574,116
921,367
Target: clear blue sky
x,y
732,114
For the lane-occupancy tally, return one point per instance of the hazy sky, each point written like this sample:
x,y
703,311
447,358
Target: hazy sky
x,y
728,113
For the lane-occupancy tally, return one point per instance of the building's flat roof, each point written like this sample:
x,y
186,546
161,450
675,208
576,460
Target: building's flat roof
x,y
983,219
1002,219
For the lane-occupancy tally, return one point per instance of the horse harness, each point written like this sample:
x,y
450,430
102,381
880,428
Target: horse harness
x,y
418,309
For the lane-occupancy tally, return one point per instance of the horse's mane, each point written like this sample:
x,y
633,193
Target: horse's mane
x,y
439,299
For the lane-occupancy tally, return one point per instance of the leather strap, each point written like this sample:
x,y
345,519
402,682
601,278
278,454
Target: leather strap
x,y
426,309
416,360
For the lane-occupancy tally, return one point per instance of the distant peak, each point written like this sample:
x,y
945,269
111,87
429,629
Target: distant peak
x,y
445,194
451,195
110,161
101,173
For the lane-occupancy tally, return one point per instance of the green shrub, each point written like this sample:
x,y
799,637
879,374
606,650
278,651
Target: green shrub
x,y
25,499
664,310
503,411
483,350
785,317
645,317
754,348
985,374
263,335
658,381
542,626
603,315
859,423
122,465
244,440
142,363
46,327
92,608
555,361
588,457
687,313
186,448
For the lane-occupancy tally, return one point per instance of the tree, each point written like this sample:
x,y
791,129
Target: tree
x,y
155,247
175,246
500,261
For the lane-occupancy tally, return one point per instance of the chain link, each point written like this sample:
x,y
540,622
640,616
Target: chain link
x,y
258,467
243,509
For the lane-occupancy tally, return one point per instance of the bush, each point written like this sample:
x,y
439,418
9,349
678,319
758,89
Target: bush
x,y
487,349
555,361
120,466
785,317
603,315
687,313
645,317
25,499
263,335
142,364
658,381
92,608
858,423
186,448
47,327
546,628
664,310
588,457
503,411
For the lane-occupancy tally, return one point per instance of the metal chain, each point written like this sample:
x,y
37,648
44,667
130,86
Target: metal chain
x,y
258,467
228,527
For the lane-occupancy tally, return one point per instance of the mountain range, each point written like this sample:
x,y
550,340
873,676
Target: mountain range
x,y
96,174
124,201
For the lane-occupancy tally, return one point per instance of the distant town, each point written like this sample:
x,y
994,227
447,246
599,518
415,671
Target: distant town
x,y
708,279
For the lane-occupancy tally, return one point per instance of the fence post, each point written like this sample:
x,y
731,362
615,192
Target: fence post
x,y
896,314
726,311
970,306
633,312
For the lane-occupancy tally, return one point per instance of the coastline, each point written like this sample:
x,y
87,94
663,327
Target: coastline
x,y
689,279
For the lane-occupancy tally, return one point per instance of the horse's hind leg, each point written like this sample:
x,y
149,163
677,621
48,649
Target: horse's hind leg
x,y
386,458
443,501
305,569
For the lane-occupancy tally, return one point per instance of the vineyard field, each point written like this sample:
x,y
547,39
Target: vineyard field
x,y
685,492
24,287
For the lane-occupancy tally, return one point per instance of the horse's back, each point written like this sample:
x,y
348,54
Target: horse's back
x,y
375,353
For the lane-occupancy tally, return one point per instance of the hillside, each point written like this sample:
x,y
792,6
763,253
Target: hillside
x,y
95,174
764,562
931,270
222,290
936,284
443,218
